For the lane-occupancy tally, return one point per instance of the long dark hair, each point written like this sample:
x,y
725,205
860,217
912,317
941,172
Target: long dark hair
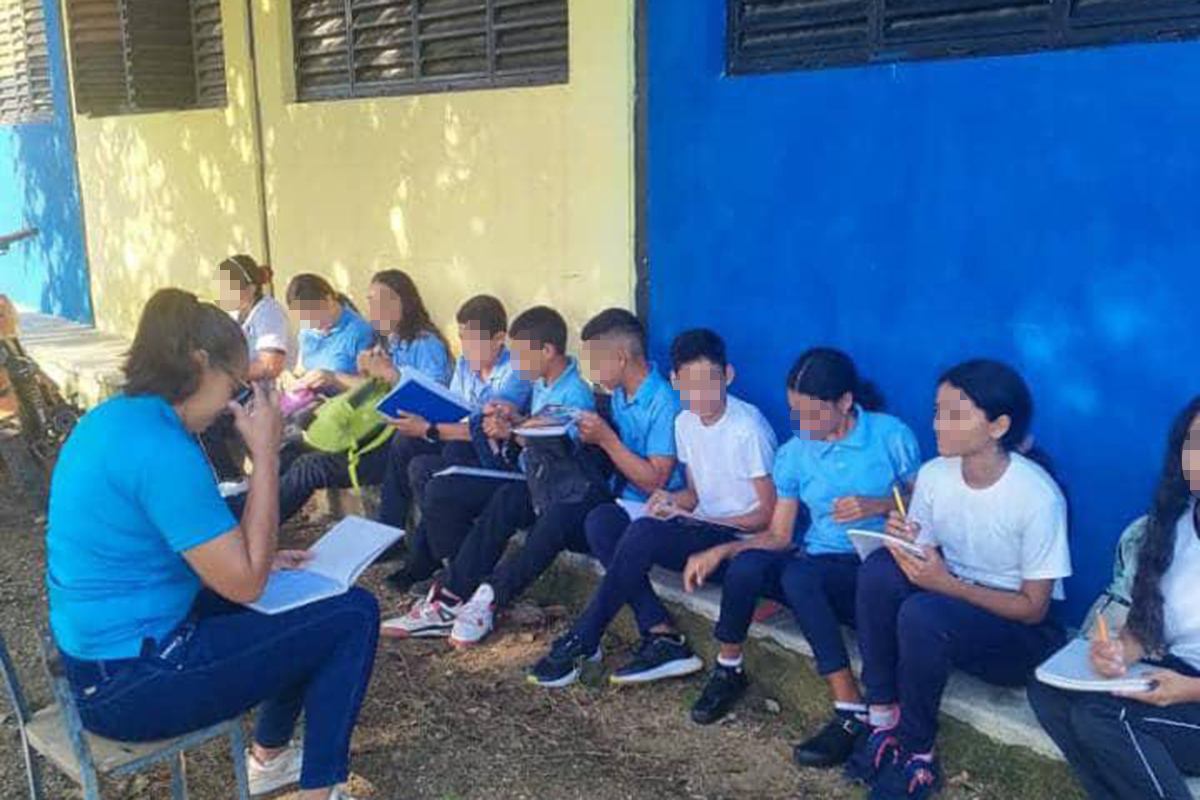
x,y
308,289
414,319
827,374
1000,391
1171,500
174,326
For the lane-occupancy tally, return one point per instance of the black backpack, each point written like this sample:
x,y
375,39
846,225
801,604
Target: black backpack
x,y
562,470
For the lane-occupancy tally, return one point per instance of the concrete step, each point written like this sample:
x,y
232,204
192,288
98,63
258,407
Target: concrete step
x,y
83,361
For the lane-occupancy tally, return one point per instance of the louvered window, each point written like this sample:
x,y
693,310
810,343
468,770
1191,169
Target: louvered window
x,y
146,55
769,35
364,48
25,94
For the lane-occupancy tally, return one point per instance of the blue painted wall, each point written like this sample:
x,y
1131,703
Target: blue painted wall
x,y
1042,209
38,189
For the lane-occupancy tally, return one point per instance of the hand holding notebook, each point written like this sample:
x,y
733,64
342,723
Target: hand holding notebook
x,y
417,395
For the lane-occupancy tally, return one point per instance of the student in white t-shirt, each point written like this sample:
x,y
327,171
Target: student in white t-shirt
x,y
1143,744
727,448
994,528
264,320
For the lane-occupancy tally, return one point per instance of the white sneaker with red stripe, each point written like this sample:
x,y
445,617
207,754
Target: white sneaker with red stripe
x,y
430,617
476,618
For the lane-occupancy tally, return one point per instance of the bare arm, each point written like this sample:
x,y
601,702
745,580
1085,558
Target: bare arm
x,y
779,536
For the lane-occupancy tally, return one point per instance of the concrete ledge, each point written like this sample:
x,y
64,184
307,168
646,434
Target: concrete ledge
x,y
84,362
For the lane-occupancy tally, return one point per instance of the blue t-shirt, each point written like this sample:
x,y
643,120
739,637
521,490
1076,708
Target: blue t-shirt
x,y
877,453
337,349
503,384
569,389
132,490
646,425
425,353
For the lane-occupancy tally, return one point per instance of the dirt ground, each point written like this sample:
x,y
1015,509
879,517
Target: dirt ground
x,y
442,725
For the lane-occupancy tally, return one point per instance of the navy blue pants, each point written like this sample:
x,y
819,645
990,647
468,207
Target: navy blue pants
x,y
819,590
1121,748
911,640
635,551
226,659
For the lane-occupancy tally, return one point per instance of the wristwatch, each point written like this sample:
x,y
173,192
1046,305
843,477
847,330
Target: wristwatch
x,y
432,435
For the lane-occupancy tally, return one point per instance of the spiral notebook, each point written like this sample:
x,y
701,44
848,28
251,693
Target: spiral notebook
x,y
1071,668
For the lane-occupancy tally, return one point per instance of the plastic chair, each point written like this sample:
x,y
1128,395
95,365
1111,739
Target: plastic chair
x,y
56,733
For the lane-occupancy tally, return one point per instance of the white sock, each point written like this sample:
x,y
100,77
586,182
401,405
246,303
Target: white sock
x,y
857,710
884,716
732,663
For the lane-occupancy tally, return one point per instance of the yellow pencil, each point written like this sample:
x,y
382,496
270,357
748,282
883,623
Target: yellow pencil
x,y
899,501
1101,628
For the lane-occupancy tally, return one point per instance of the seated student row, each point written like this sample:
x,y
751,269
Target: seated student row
x,y
647,464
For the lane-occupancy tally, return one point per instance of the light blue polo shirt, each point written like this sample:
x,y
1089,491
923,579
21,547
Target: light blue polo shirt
x,y
337,349
132,490
425,353
503,384
569,389
877,453
646,425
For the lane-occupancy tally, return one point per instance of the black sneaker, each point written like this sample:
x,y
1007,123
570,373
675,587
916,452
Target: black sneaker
x,y
563,664
659,656
872,754
832,745
911,779
725,687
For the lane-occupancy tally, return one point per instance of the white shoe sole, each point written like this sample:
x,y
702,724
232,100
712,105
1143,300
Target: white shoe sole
x,y
465,644
563,682
422,633
680,668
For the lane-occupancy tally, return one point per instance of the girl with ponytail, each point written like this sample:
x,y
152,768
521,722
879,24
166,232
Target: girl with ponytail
x,y
991,526
837,472
1143,744
264,320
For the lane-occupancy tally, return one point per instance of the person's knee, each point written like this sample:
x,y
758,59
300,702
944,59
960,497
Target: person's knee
x,y
639,544
438,491
801,580
922,623
604,527
747,573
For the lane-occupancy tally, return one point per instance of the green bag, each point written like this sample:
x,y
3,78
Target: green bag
x,y
350,424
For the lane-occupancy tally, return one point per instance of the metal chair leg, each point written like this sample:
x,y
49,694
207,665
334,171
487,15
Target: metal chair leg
x,y
179,778
237,747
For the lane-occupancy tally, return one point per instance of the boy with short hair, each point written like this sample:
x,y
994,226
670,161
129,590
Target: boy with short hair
x,y
641,449
727,449
482,374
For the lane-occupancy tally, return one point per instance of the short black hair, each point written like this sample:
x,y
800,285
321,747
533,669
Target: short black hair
x,y
696,344
617,322
484,313
540,324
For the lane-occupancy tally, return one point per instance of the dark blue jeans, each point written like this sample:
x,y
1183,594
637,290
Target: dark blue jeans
x,y
911,640
1121,748
819,590
645,544
226,659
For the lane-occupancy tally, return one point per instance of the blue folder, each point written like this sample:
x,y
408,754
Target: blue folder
x,y
418,395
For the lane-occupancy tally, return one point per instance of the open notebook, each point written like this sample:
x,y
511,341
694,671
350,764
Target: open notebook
x,y
867,542
424,397
1071,668
637,509
339,558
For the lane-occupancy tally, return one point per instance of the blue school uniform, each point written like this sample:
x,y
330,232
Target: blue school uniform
x,y
503,384
878,452
337,349
569,390
425,353
646,425
117,528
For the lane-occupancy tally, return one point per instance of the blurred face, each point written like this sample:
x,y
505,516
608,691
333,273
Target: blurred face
x,y
530,358
1191,457
231,293
962,427
321,315
384,307
702,386
816,419
605,362
480,349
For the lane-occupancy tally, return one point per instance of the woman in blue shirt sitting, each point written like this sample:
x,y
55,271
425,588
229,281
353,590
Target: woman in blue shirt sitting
x,y
407,340
147,568
332,335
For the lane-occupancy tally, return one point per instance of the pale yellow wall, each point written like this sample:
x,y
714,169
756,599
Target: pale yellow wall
x,y
525,193
166,196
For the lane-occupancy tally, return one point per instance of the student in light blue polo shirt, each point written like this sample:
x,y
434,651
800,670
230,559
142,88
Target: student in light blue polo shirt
x,y
836,473
333,335
147,571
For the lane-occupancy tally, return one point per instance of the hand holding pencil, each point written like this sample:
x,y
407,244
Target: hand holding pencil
x,y
1108,654
898,524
